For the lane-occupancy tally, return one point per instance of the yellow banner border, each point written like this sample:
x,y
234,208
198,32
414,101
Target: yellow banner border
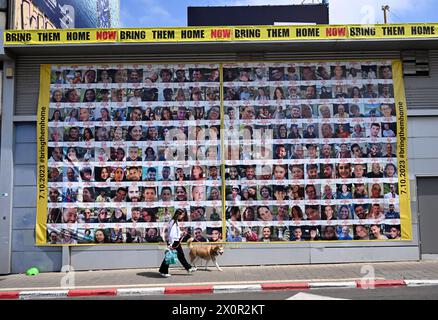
x,y
223,156
222,34
402,150
42,154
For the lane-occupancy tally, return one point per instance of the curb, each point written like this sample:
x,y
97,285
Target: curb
x,y
380,284
92,293
213,289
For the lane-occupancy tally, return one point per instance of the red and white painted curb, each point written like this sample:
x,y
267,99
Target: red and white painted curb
x,y
210,289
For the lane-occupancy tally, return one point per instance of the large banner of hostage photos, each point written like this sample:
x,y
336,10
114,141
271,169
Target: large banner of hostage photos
x,y
131,145
309,152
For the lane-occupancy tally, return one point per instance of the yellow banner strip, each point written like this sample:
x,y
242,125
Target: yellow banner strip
x,y
402,150
223,171
214,34
42,161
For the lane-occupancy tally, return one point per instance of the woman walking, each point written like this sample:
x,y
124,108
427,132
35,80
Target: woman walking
x,y
174,239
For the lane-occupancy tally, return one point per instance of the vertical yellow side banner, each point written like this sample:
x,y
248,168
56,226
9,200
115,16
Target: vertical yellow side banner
x,y
42,156
224,155
402,150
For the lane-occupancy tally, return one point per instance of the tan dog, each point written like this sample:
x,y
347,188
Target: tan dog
x,y
205,252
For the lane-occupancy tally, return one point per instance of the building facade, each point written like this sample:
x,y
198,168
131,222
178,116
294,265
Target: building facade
x,y
19,173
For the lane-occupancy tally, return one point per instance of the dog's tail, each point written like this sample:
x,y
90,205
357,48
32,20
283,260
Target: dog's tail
x,y
189,243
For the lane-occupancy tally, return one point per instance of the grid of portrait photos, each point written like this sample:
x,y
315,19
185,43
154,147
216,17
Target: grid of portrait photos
x,y
129,146
310,152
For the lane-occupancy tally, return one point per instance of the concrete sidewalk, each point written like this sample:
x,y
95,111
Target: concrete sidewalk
x,y
246,278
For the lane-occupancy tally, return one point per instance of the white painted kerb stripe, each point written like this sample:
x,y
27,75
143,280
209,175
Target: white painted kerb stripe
x,y
140,292
350,284
240,288
420,283
43,294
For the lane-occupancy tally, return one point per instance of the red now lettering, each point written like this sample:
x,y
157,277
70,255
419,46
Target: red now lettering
x,y
219,33
106,35
336,32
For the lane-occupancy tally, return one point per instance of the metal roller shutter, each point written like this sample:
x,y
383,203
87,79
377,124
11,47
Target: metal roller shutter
x,y
27,88
421,92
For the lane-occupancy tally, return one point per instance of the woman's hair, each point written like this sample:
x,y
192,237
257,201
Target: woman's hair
x,y
98,173
177,213
281,91
68,151
390,165
73,112
183,188
89,131
148,132
299,210
53,116
148,149
107,111
279,127
105,236
310,126
292,133
213,188
261,89
151,214
358,90
346,185
267,188
235,211
85,170
340,209
166,109
210,111
129,134
102,170
248,209
122,150
67,94
55,216
85,95
202,171
87,72
53,96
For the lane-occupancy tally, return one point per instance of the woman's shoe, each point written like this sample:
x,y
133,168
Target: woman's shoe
x,y
165,275
191,270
